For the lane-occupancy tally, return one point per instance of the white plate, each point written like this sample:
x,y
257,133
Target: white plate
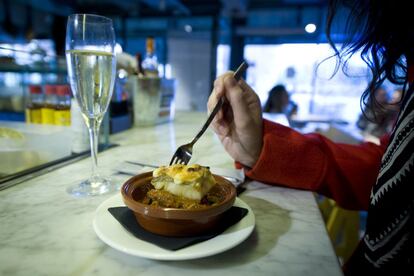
x,y
111,232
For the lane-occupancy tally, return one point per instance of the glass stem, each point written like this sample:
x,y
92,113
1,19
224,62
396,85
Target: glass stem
x,y
94,125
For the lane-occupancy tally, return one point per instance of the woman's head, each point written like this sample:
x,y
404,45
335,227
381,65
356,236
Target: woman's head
x,y
278,99
382,30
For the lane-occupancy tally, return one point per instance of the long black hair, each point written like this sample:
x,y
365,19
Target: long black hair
x,y
274,101
383,31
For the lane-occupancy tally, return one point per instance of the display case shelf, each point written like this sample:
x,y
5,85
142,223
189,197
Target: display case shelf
x,y
31,69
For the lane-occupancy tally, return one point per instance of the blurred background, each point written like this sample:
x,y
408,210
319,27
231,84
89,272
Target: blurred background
x,y
169,53
195,40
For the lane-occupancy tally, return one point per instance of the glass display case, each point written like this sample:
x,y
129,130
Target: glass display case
x,y
29,146
25,145
15,81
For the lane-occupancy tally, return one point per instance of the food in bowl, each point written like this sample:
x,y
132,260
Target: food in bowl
x,y
189,181
178,219
183,186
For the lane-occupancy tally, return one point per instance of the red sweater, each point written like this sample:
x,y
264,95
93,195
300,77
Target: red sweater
x,y
343,172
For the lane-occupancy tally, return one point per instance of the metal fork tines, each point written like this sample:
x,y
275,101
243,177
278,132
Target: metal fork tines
x,y
183,154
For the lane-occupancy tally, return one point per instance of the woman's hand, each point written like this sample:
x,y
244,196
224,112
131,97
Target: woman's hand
x,y
238,124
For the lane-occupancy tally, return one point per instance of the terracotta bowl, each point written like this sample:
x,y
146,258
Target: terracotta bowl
x,y
172,221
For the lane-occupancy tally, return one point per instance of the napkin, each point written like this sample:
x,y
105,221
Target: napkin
x,y
127,219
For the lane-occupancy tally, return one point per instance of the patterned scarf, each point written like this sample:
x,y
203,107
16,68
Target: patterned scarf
x,y
388,243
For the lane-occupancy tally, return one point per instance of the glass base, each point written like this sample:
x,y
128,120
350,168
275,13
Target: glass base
x,y
92,187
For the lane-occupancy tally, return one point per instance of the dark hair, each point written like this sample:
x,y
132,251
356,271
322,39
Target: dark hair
x,y
274,101
278,89
382,30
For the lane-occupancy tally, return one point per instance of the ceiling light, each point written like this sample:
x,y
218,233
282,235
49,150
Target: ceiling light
x,y
310,28
188,28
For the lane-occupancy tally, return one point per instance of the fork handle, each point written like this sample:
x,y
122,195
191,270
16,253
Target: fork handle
x,y
237,75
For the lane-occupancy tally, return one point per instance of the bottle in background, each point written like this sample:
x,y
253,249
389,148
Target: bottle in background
x,y
150,62
62,108
34,105
49,105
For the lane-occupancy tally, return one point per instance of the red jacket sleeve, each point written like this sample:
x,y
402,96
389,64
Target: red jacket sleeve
x,y
342,172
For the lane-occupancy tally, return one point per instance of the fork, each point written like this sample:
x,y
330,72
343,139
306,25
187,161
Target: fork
x,y
184,152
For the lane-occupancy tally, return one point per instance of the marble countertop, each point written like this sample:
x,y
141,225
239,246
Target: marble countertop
x,y
45,231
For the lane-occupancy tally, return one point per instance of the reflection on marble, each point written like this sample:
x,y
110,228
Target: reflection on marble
x,y
45,231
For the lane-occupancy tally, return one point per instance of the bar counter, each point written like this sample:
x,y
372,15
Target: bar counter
x,y
46,231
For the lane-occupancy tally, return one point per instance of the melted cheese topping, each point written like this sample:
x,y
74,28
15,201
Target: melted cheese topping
x,y
190,181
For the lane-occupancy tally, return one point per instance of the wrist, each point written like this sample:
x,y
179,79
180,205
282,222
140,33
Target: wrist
x,y
250,159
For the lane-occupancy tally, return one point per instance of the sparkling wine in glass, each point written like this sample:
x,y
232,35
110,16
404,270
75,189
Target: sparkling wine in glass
x,y
90,56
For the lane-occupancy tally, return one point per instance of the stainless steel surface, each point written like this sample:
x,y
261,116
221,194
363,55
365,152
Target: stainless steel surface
x,y
142,164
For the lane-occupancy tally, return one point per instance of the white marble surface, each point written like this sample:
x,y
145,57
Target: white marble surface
x,y
45,231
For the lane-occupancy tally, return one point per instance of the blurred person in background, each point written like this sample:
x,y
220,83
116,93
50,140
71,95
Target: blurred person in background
x,y
396,96
279,101
378,119
377,178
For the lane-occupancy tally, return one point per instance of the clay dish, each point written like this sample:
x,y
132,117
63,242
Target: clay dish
x,y
173,221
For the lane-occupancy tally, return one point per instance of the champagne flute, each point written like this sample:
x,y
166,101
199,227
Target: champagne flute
x,y
90,56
